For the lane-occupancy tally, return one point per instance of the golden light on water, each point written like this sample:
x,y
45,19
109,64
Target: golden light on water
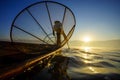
x,y
86,48
87,56
96,70
92,69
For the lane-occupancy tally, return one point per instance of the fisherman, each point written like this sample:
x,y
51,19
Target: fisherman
x,y
59,30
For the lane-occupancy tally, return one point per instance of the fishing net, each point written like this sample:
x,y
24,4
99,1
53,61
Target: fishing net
x,y
32,29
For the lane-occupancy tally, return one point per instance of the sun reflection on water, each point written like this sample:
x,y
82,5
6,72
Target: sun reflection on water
x,y
92,62
87,55
87,49
87,61
92,69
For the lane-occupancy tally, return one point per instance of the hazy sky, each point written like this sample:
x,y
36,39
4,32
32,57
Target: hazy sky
x,y
99,19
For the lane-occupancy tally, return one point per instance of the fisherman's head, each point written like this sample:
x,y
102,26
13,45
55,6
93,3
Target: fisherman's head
x,y
56,22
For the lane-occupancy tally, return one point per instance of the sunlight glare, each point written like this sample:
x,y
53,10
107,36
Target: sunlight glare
x,y
87,49
86,39
92,69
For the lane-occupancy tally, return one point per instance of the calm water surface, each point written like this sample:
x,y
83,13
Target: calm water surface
x,y
93,62
81,63
84,63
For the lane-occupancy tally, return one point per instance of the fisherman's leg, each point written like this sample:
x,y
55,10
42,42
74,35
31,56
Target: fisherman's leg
x,y
58,39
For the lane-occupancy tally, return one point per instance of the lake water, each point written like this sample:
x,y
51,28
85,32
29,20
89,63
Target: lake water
x,y
82,63
94,62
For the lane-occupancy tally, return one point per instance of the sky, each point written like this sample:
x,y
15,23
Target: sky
x,y
98,19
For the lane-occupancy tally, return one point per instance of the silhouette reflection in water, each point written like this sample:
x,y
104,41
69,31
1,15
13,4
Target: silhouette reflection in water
x,y
50,69
58,70
53,69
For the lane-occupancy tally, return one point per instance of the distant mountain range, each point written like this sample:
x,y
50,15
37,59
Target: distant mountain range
x,y
107,43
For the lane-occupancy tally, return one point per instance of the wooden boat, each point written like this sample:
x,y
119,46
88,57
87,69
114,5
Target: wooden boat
x,y
33,38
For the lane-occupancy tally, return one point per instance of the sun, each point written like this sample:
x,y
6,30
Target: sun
x,y
86,39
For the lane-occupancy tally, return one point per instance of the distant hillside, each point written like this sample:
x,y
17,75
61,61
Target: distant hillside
x,y
108,43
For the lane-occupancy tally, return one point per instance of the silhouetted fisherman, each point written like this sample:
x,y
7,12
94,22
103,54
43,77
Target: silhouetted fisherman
x,y
59,30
